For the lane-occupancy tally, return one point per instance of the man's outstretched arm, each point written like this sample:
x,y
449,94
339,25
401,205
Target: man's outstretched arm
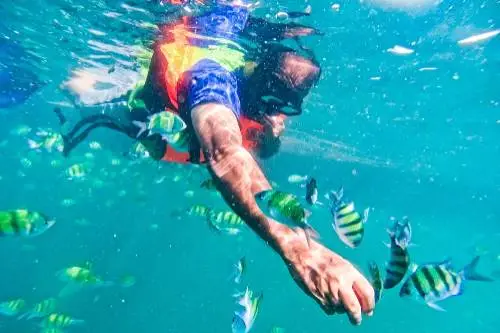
x,y
329,279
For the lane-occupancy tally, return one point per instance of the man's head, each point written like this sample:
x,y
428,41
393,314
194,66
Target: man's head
x,y
279,83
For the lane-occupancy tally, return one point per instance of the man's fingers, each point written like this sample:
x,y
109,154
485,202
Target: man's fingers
x,y
351,304
366,295
320,297
318,289
333,293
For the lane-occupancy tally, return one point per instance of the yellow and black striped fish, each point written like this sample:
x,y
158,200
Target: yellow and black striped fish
x,y
397,266
80,277
58,320
179,141
41,309
22,222
376,280
12,307
77,171
347,222
199,210
226,222
433,283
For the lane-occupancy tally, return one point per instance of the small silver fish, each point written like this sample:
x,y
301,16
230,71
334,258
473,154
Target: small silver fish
x,y
297,179
239,270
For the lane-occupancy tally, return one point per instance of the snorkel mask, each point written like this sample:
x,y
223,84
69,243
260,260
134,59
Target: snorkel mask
x,y
280,84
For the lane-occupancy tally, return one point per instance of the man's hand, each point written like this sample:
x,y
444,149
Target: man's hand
x,y
325,276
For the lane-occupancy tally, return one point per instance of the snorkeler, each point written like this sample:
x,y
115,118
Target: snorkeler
x,y
199,71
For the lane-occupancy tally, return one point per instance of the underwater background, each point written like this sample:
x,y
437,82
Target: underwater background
x,y
414,135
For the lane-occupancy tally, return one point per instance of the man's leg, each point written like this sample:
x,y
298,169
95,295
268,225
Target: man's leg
x,y
71,142
81,130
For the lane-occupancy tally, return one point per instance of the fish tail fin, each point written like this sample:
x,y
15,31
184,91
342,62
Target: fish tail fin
x,y
469,272
366,213
78,322
142,127
107,284
336,196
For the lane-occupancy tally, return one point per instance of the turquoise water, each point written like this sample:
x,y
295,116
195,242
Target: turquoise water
x,y
402,140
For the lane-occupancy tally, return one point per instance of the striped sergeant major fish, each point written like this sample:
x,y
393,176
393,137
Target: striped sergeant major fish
x,y
226,222
199,211
24,223
42,309
432,283
59,320
77,171
12,307
287,209
347,222
179,141
398,264
376,280
78,277
163,123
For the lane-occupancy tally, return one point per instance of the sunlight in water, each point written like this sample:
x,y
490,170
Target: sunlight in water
x,y
408,5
